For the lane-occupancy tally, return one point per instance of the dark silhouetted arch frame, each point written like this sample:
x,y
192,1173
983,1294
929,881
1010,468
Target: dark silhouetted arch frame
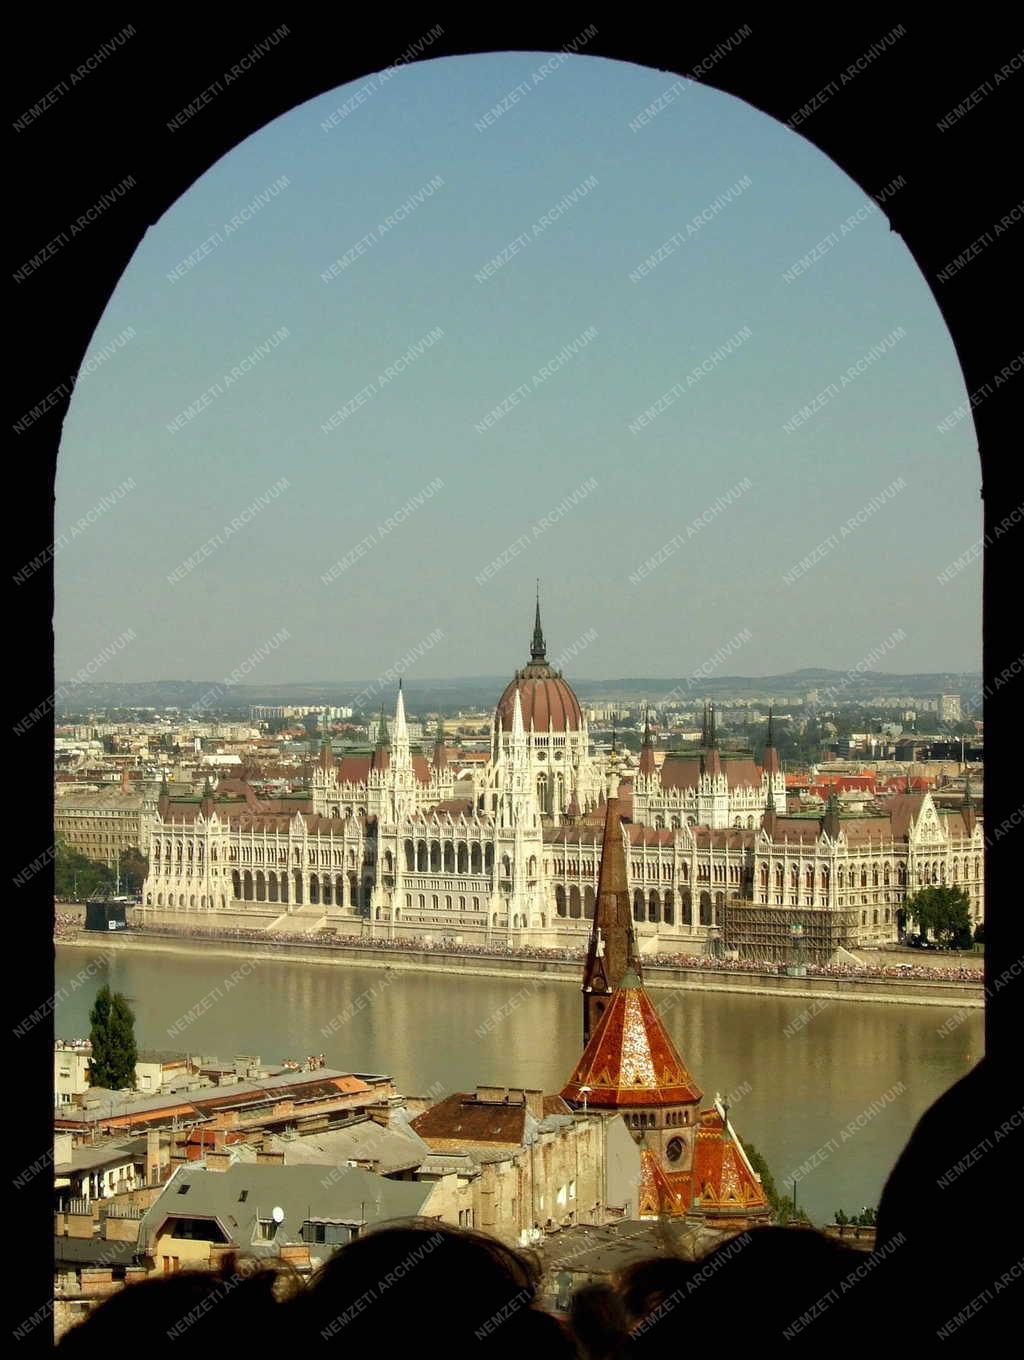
x,y
113,123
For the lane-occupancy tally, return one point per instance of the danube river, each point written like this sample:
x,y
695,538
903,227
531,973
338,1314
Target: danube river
x,y
825,1089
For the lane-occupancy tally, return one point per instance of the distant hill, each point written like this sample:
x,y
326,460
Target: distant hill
x,y
483,691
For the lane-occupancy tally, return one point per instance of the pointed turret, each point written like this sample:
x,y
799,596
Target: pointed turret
x,y
712,761
612,949
326,754
440,750
206,802
538,647
629,1061
518,730
400,750
967,806
830,822
382,751
704,728
770,759
770,821
648,766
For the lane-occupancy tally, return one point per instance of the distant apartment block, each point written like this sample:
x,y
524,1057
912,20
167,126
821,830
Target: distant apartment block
x,y
950,708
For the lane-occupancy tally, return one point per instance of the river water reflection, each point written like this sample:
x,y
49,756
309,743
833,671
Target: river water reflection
x,y
879,1066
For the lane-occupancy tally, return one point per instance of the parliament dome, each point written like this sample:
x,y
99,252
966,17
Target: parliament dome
x,y
548,701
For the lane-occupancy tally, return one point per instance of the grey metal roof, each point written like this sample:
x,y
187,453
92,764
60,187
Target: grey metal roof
x,y
390,1149
100,1103
90,1158
92,1251
245,1192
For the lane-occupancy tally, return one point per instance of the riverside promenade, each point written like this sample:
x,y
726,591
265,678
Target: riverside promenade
x,y
959,993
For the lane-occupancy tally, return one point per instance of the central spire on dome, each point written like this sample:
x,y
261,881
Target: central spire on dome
x,y
538,648
547,700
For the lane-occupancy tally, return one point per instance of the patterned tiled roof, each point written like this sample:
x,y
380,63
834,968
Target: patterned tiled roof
x,y
630,1060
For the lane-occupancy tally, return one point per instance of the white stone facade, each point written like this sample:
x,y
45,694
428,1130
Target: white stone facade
x,y
388,846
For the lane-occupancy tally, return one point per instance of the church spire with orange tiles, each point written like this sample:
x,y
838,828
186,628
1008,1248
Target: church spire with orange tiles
x,y
612,948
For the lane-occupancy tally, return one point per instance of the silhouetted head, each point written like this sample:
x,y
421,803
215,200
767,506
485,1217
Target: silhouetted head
x,y
426,1284
599,1322
767,1285
645,1284
964,1154
234,1307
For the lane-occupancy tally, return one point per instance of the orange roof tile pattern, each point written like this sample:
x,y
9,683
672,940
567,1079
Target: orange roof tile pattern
x,y
630,1060
721,1179
547,701
720,1182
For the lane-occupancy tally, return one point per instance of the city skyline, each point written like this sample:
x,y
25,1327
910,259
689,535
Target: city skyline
x,y
593,411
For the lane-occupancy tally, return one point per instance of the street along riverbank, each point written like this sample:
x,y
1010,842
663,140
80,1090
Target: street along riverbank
x,y
904,991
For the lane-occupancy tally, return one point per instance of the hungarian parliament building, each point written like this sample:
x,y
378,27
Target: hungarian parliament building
x,y
397,842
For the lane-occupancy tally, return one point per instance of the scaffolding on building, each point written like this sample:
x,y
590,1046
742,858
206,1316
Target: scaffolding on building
x,y
761,930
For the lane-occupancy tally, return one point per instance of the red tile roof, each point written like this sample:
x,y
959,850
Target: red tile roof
x,y
650,835
461,1118
545,699
630,1061
682,771
721,1180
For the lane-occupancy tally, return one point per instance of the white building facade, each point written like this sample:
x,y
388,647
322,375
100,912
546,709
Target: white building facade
x,y
389,843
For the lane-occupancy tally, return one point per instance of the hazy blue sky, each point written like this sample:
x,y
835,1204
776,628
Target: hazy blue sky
x,y
496,486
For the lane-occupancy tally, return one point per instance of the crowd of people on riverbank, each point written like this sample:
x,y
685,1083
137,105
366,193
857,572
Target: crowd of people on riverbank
x,y
447,945
65,924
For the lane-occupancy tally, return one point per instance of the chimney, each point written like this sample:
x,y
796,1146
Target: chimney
x,y
179,1148
152,1156
218,1161
534,1098
294,1254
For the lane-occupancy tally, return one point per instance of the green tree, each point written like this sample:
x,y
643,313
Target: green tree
x,y
112,1035
134,870
944,911
75,875
782,1206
